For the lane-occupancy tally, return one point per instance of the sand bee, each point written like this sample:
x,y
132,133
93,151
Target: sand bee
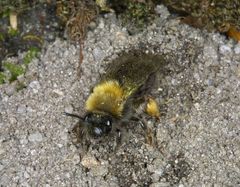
x,y
121,90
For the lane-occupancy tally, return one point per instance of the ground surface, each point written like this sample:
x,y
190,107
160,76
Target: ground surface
x,y
197,137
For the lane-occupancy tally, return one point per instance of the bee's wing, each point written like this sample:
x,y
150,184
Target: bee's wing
x,y
135,72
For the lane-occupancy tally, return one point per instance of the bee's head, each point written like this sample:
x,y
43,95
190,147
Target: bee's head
x,y
96,124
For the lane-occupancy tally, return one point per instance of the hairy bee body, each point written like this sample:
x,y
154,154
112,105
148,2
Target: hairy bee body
x,y
113,99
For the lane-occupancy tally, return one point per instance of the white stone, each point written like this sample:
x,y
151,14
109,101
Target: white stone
x,y
224,49
35,137
35,85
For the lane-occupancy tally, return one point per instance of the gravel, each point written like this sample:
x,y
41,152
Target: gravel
x,y
197,137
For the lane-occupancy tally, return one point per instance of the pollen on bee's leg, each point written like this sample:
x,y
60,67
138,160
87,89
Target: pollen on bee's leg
x,y
152,108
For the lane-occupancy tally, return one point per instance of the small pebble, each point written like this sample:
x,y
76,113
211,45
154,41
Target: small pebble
x,y
237,49
35,85
224,49
98,54
35,137
89,162
21,109
69,109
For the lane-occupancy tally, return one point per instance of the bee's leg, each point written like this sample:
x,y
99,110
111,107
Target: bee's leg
x,y
119,136
150,135
148,129
117,139
81,139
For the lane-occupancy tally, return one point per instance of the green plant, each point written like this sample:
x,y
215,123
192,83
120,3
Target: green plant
x,y
12,32
32,53
14,69
138,13
2,78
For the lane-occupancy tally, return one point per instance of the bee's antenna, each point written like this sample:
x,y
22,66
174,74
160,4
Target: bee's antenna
x,y
74,115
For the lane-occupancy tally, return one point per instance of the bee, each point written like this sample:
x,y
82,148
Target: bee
x,y
120,91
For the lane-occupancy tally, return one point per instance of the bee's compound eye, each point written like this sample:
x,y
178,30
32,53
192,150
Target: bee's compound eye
x,y
97,131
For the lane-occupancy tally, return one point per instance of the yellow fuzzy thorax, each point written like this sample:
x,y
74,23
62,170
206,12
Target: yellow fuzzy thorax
x,y
106,97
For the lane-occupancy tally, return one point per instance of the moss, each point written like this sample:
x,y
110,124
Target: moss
x,y
20,86
208,14
2,78
64,11
14,69
1,37
138,15
14,5
18,69
32,53
12,32
5,13
138,10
